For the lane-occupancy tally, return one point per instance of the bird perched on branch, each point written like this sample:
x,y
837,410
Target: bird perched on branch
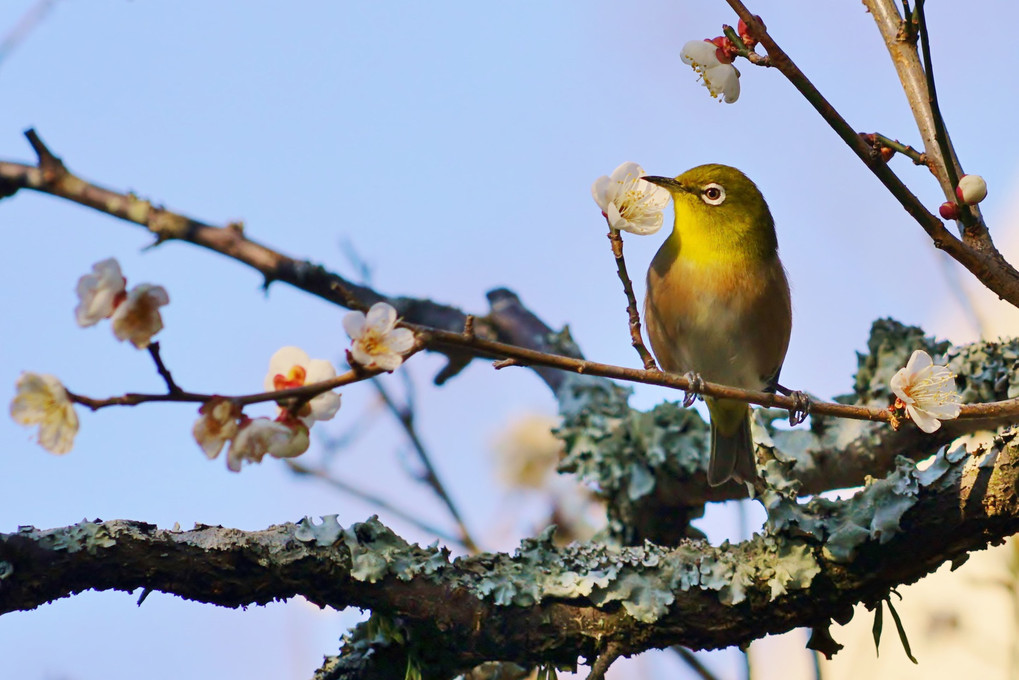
x,y
718,304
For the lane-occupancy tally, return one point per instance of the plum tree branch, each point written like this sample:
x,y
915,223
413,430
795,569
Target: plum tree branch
x,y
535,606
975,251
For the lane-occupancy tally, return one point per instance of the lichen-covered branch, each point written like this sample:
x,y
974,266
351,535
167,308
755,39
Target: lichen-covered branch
x,y
649,466
552,605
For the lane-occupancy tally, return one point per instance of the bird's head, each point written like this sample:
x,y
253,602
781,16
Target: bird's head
x,y
720,202
714,188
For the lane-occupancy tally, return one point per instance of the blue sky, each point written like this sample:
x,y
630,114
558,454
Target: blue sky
x,y
453,145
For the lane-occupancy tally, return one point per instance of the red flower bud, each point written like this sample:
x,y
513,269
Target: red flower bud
x,y
949,210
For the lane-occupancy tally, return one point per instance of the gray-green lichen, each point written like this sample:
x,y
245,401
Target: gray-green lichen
x,y
375,550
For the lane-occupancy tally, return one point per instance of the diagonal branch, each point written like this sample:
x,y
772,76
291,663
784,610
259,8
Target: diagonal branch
x,y
976,253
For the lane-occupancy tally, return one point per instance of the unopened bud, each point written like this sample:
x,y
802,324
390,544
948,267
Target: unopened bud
x,y
949,210
726,50
744,32
971,190
886,153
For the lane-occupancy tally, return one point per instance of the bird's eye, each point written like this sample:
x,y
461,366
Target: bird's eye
x,y
713,194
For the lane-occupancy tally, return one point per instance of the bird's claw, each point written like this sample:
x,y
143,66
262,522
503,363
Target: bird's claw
x,y
695,383
801,407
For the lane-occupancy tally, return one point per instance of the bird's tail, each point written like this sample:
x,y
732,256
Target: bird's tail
x,y
732,447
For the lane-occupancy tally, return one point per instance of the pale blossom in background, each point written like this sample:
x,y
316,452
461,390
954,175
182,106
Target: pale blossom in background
x,y
628,202
42,400
526,452
137,318
99,292
376,341
927,391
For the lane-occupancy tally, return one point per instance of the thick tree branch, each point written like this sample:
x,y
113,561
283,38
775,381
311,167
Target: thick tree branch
x,y
545,605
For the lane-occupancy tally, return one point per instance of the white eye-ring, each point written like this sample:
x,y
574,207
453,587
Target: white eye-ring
x,y
713,194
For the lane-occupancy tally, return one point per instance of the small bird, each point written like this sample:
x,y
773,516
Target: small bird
x,y
718,304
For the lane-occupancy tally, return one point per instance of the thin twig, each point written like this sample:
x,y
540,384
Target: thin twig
x,y
164,372
691,660
918,157
28,22
406,418
616,239
376,501
301,393
601,665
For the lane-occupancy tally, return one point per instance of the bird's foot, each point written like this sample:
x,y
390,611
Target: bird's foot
x,y
801,402
695,385
801,407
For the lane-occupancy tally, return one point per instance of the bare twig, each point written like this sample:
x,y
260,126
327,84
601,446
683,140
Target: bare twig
x,y
163,371
604,660
304,392
616,239
29,21
405,416
691,660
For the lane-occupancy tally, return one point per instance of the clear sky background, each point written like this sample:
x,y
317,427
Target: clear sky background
x,y
453,146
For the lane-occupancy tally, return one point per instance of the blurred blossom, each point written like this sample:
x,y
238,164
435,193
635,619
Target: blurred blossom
x,y
527,452
216,426
137,318
99,292
42,400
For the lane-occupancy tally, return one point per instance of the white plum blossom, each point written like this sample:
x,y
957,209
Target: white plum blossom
x,y
926,391
628,202
262,436
99,292
721,78
376,341
971,189
137,318
216,426
42,400
291,367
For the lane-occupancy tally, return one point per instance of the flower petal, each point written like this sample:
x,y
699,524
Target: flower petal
x,y
923,420
353,324
381,317
400,340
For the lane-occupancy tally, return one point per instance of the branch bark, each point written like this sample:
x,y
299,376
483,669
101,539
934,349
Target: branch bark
x,y
543,604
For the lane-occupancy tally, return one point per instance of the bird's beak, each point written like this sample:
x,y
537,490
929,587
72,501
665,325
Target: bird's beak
x,y
665,182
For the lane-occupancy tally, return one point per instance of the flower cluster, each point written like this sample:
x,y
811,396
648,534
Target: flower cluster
x,y
628,202
926,392
134,315
222,420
